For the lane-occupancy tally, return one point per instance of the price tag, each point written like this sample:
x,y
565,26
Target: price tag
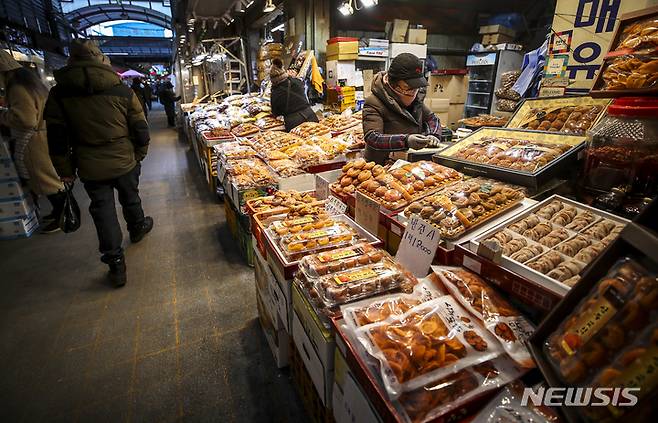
x,y
367,213
321,188
472,264
418,246
334,206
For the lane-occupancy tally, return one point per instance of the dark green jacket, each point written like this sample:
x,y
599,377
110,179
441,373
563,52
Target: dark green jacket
x,y
96,124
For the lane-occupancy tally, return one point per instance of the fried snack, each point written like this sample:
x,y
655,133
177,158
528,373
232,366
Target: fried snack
x,y
546,262
311,129
219,132
250,173
554,237
527,253
570,120
289,225
245,129
630,72
607,319
280,199
526,223
286,168
566,270
296,246
485,120
269,123
550,209
353,174
339,123
528,156
499,317
430,341
573,246
581,221
379,310
233,150
640,35
462,205
601,229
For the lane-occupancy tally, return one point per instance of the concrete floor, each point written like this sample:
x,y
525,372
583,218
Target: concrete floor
x,y
181,341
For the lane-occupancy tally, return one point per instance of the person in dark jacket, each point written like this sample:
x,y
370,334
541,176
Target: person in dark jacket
x,y
141,95
394,116
168,100
97,131
288,98
148,94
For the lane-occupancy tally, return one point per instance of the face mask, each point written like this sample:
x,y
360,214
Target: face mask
x,y
406,99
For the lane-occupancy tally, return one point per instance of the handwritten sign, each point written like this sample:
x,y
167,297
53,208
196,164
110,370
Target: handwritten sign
x,y
418,246
321,187
366,213
334,206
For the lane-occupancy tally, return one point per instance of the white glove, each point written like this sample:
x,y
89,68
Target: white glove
x,y
433,140
416,141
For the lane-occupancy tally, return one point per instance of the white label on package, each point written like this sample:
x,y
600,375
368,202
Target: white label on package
x,y
472,264
366,213
418,246
321,187
334,206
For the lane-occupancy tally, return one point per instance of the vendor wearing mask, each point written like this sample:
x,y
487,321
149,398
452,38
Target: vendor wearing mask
x,y
288,98
394,116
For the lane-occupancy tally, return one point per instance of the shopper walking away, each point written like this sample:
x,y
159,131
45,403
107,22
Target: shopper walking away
x,y
97,130
168,100
288,98
148,95
141,95
25,100
394,116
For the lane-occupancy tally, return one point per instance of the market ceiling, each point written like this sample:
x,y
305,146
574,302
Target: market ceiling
x,y
438,16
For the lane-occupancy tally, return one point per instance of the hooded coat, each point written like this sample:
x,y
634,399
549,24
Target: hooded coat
x,y
382,114
96,124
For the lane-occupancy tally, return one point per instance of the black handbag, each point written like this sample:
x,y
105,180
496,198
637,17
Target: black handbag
x,y
69,221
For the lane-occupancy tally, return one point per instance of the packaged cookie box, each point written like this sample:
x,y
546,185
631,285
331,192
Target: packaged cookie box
x,y
544,156
572,115
288,250
552,242
604,332
631,65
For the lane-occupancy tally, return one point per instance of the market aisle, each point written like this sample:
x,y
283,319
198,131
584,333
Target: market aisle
x,y
181,340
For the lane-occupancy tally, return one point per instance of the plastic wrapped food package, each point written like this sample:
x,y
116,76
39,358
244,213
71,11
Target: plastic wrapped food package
x,y
574,120
296,246
307,154
528,156
250,173
309,129
245,129
430,341
462,205
506,105
331,146
500,318
340,259
269,123
359,281
436,399
339,123
280,199
609,318
286,168
633,367
631,72
287,226
640,35
507,407
234,150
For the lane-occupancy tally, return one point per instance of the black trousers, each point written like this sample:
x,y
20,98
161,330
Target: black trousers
x,y
103,209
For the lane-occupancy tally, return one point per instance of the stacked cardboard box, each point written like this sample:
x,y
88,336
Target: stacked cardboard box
x,y
342,48
18,218
266,53
496,34
446,95
374,47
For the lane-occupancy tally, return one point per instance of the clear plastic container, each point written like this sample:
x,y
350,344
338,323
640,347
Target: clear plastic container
x,y
623,148
296,246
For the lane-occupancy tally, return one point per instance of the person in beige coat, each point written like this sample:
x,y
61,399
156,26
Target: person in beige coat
x,y
25,101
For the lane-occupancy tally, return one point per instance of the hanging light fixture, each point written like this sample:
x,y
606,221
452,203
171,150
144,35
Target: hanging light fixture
x,y
346,8
369,3
269,6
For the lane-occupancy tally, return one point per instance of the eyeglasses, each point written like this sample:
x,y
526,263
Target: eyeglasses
x,y
406,92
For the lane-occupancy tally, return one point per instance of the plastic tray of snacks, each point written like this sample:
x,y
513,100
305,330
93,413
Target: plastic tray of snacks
x,y
287,261
280,199
568,115
405,182
358,280
465,205
523,157
603,332
552,242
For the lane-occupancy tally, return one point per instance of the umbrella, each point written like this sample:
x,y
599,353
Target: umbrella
x,y
131,74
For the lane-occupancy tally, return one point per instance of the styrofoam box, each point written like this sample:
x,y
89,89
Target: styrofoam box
x,y
418,50
16,209
8,170
11,190
19,228
340,70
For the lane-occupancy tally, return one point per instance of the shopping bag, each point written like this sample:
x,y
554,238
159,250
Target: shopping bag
x,y
70,218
